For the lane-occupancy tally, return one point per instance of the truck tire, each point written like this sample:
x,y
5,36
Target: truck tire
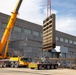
x,y
16,65
52,66
1,66
4,65
12,64
48,67
55,66
39,67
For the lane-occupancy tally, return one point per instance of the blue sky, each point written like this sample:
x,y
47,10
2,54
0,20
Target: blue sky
x,y
64,7
35,11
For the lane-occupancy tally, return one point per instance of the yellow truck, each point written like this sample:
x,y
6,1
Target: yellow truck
x,y
15,62
43,63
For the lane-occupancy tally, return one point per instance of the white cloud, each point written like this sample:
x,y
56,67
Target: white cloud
x,y
31,10
7,6
66,24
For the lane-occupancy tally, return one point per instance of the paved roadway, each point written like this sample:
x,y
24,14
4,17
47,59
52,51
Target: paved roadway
x,y
25,71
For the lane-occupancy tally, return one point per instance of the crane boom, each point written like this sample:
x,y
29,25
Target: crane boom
x,y
10,26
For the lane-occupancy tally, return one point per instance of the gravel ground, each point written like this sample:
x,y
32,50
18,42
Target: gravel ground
x,y
26,71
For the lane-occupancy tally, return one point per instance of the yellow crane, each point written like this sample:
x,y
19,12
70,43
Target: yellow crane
x,y
8,29
11,61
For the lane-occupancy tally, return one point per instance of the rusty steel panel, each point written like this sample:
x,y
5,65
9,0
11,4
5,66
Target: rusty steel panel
x,y
49,41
